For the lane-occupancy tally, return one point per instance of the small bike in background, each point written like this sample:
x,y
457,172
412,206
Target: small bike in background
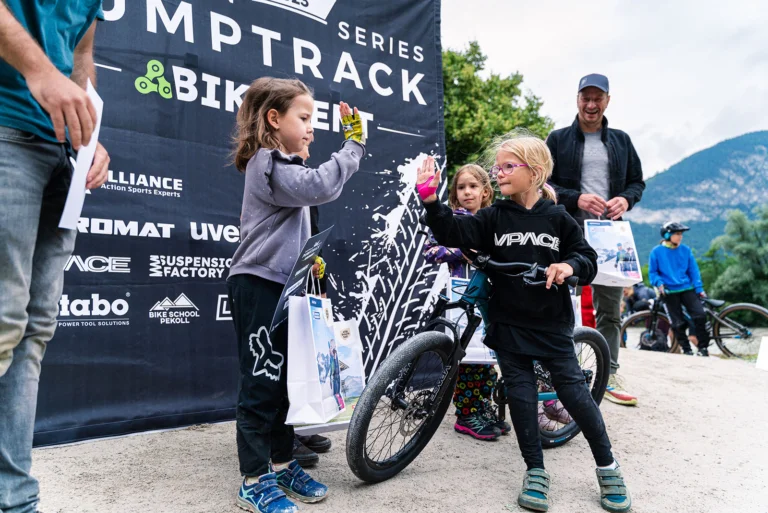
x,y
737,329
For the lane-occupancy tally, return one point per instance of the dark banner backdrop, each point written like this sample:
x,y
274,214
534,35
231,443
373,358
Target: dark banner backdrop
x,y
145,339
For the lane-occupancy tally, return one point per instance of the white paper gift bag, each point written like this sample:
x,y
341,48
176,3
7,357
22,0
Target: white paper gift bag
x,y
618,264
350,350
314,376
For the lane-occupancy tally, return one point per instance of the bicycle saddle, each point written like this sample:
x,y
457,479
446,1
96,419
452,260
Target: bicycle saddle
x,y
714,303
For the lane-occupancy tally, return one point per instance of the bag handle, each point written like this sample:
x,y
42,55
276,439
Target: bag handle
x,y
314,282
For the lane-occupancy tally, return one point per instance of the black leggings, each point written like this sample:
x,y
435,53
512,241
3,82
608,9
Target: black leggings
x,y
568,380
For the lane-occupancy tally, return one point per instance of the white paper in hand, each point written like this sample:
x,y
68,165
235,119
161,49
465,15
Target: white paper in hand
x,y
76,195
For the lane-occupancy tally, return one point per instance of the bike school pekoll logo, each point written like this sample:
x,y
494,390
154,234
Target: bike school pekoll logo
x,y
179,311
95,311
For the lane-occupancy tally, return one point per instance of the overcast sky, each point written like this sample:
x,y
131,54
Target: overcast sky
x,y
684,74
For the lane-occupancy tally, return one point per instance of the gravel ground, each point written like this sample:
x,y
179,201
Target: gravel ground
x,y
696,443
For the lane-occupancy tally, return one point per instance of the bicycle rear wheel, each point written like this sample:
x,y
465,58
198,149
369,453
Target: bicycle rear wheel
x,y
400,408
741,330
595,359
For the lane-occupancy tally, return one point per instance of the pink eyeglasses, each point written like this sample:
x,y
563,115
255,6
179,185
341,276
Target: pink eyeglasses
x,y
504,169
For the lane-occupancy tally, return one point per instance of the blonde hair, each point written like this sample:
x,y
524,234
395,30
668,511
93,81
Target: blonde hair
x,y
253,131
531,150
480,175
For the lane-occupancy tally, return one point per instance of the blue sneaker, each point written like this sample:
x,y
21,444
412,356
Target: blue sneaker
x,y
264,497
297,484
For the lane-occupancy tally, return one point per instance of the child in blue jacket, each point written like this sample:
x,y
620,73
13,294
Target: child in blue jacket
x,y
674,271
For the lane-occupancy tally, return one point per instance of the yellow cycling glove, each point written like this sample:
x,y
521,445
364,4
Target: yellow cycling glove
x,y
353,128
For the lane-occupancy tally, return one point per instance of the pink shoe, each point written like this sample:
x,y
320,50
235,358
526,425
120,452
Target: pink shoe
x,y
544,422
554,410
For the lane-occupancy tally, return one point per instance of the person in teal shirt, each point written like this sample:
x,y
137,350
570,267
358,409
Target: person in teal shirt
x,y
674,271
46,58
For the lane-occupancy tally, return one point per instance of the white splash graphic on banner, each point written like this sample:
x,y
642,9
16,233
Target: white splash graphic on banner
x,y
394,287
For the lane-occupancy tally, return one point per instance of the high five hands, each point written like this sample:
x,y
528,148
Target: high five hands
x,y
428,180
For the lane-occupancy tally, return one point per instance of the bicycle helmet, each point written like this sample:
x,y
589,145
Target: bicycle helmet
x,y
671,227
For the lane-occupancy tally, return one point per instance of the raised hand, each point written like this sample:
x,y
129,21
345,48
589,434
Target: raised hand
x,y
428,180
351,123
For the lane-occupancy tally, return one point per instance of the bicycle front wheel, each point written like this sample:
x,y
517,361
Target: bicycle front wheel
x,y
741,329
401,407
636,329
556,427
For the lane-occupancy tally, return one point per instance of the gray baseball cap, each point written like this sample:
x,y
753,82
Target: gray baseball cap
x,y
594,80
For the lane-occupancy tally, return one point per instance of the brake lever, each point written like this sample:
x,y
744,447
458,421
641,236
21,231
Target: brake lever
x,y
533,283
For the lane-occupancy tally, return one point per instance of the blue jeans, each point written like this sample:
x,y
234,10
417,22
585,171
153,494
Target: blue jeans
x,y
34,180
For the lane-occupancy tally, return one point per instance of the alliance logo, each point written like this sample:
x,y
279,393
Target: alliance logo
x,y
179,311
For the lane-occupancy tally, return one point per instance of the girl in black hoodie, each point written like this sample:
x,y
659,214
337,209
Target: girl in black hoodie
x,y
528,324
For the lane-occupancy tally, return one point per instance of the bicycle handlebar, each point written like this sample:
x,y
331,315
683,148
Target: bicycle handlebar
x,y
532,274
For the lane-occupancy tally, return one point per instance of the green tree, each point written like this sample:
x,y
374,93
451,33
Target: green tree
x,y
744,246
477,109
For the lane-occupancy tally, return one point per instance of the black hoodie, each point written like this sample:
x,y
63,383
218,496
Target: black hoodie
x,y
508,232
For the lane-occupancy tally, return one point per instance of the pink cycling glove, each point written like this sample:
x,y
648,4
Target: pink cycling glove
x,y
426,189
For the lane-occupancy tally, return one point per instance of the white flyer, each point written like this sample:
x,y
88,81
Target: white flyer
x,y
76,195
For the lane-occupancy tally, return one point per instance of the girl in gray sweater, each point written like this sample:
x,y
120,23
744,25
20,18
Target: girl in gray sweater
x,y
273,125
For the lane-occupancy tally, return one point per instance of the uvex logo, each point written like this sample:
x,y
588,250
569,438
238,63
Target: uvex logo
x,y
542,239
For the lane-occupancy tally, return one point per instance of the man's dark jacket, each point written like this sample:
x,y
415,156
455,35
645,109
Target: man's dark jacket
x,y
567,148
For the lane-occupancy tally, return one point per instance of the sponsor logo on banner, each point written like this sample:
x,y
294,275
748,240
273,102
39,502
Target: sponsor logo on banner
x,y
94,311
223,313
99,264
186,84
317,10
179,311
125,228
170,266
137,183
214,232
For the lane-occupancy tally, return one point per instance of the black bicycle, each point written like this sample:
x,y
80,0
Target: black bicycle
x,y
409,394
737,329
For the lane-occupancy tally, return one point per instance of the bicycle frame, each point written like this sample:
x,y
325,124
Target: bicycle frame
x,y
712,315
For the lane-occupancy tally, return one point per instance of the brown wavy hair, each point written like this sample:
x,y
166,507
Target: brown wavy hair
x,y
253,131
480,175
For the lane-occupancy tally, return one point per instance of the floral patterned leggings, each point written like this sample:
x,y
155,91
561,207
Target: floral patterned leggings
x,y
475,383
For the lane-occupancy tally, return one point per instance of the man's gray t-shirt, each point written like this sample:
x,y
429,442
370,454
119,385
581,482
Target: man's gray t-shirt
x,y
594,170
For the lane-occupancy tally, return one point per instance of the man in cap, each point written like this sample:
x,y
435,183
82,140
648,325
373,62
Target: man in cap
x,y
597,174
